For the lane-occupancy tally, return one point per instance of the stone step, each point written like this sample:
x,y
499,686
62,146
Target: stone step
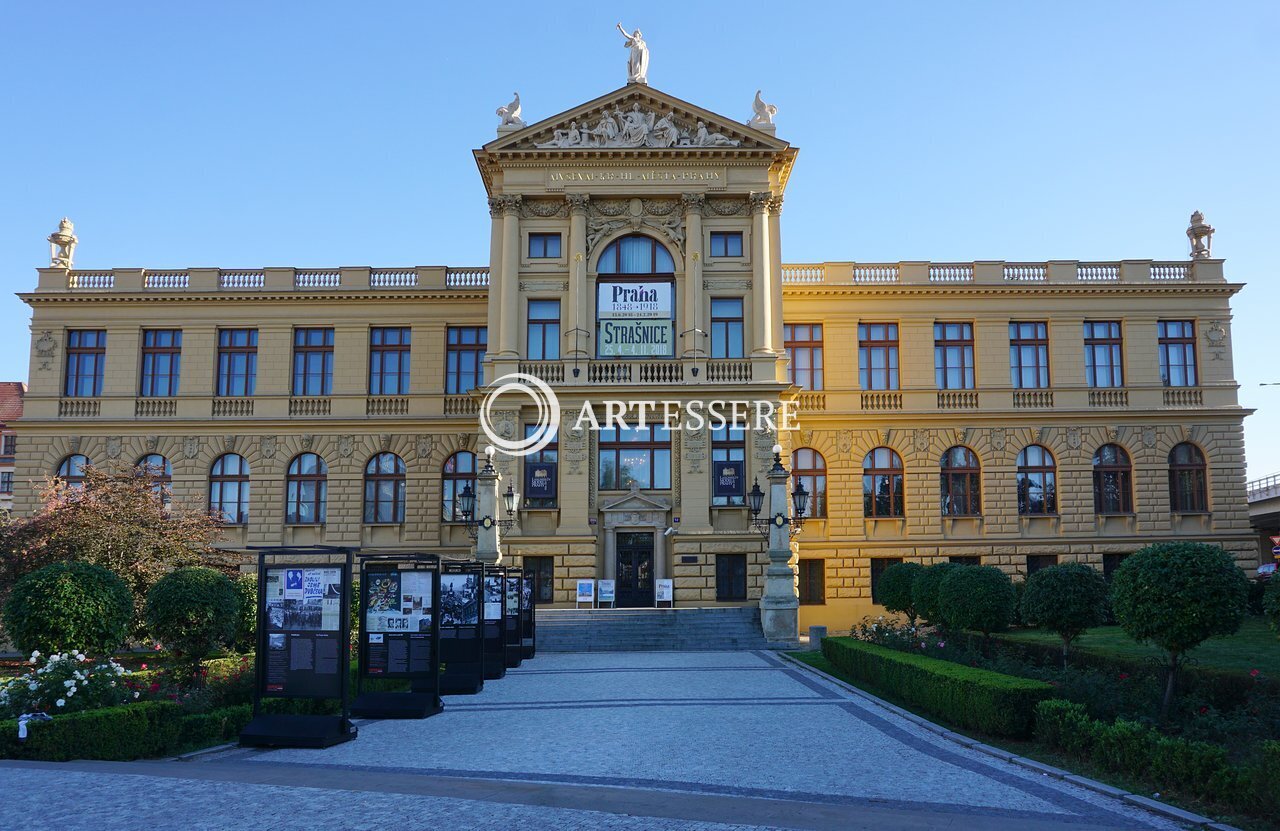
x,y
692,629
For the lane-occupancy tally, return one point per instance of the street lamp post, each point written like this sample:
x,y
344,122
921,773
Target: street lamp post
x,y
483,503
779,605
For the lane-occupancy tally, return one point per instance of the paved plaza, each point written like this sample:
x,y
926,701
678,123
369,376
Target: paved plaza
x,y
604,740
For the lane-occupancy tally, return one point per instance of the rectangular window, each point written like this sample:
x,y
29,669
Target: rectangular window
x,y
86,359
541,472
542,339
728,444
1178,353
965,561
1103,364
637,454
161,362
1035,562
953,356
9,445
1029,355
6,482
878,356
813,582
726,327
731,577
726,243
803,342
464,358
389,360
543,569
544,246
1111,562
237,362
878,566
313,362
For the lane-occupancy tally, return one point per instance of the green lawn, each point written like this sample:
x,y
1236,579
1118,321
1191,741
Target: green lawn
x,y
1255,646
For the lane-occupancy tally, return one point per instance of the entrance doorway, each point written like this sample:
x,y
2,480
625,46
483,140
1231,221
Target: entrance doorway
x,y
635,568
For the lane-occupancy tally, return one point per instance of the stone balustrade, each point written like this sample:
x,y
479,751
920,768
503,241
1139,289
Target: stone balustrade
x,y
262,279
1056,272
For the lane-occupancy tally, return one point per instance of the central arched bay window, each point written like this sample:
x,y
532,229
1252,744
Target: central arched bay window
x,y
961,482
1037,481
882,484
635,299
384,489
1112,481
306,490
458,474
229,489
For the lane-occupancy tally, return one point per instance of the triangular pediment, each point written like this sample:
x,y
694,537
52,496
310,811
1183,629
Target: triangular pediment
x,y
636,117
634,500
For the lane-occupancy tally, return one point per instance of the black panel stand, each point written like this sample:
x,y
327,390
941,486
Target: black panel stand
x,y
462,644
495,631
511,618
528,621
270,730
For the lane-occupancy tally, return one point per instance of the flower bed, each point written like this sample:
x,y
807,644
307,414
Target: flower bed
x,y
1000,705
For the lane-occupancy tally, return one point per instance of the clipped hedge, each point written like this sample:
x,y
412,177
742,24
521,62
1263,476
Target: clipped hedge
x,y
120,734
992,703
1193,768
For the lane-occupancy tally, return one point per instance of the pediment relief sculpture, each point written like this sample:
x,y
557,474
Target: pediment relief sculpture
x,y
640,126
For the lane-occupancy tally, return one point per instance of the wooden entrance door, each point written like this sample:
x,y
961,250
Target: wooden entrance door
x,y
634,568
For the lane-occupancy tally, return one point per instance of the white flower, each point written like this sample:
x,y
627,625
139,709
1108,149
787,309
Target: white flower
x,y
61,702
35,653
71,692
68,683
33,686
113,683
135,695
80,656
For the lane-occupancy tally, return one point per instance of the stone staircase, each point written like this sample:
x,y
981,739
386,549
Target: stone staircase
x,y
720,628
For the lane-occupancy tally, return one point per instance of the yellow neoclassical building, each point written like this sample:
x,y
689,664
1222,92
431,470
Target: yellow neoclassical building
x,y
1015,414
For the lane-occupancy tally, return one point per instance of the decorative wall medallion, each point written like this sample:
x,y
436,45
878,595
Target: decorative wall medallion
x,y
228,443
1042,435
885,435
153,442
268,447
1148,437
573,446
1112,433
191,447
75,443
726,207
113,447
695,442
1216,336
425,446
844,440
45,347
1073,438
346,446
545,208
308,440
920,439
384,442
998,438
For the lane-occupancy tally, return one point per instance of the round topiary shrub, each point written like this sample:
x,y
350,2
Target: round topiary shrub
x,y
924,592
1066,599
67,607
247,622
895,588
1271,603
980,598
193,611
1177,595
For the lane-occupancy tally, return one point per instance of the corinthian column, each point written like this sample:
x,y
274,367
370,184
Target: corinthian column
x,y
693,342
495,273
509,324
761,266
775,273
575,316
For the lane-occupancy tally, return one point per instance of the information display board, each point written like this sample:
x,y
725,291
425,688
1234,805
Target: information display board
x,y
586,593
305,636
528,621
664,592
398,632
608,592
461,628
495,629
515,650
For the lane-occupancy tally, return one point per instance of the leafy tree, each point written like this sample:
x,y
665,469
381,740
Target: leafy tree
x,y
924,592
69,606
980,598
193,611
114,520
1177,595
895,588
1066,599
1271,603
247,622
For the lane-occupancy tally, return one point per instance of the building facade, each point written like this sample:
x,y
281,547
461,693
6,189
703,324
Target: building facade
x,y
11,394
1014,414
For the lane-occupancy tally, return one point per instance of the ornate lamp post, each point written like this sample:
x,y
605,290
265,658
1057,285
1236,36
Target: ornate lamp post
x,y
779,605
486,530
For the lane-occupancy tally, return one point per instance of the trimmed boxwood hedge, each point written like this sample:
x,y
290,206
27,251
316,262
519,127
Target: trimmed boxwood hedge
x,y
119,734
996,704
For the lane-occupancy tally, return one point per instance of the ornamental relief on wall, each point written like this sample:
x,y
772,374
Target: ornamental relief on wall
x,y
608,216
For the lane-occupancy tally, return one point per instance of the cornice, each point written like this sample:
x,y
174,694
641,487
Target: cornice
x,y
32,298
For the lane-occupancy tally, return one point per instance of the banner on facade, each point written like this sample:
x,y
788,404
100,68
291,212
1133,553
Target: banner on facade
x,y
727,478
635,319
637,339
635,301
608,591
540,480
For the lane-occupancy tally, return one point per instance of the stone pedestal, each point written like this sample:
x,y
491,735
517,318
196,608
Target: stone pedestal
x,y
488,544
779,605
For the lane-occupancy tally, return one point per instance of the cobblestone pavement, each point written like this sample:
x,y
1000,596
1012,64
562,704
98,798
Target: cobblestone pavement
x,y
617,740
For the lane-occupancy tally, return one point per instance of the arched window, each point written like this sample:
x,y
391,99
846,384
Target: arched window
x,y
1037,481
459,472
1188,480
808,468
306,490
961,483
882,484
636,254
1112,481
71,470
157,468
229,489
384,486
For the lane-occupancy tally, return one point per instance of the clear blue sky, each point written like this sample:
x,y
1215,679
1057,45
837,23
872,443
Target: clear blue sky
x,y
324,134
